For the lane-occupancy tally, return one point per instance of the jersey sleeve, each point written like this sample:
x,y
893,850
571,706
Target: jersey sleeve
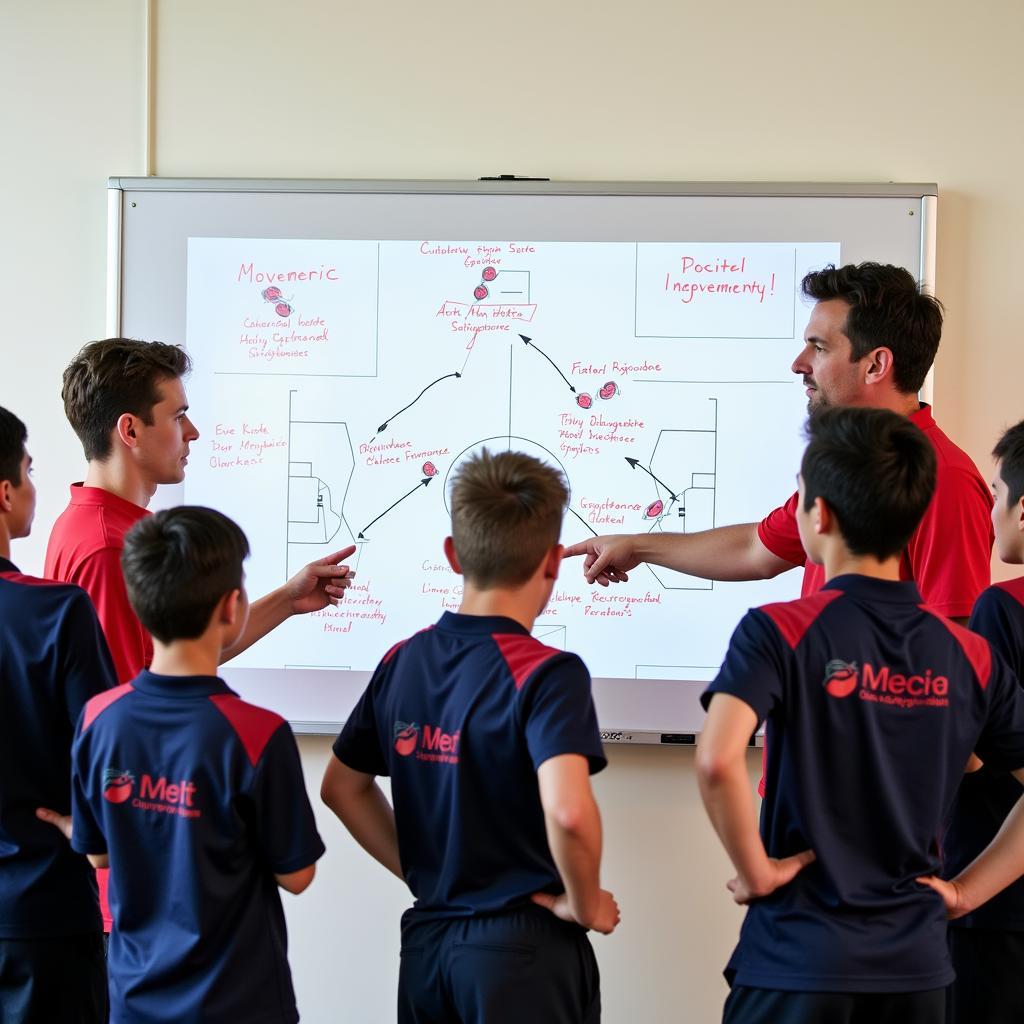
x,y
86,834
755,666
1001,744
999,619
778,532
284,818
131,647
557,713
358,744
86,665
950,552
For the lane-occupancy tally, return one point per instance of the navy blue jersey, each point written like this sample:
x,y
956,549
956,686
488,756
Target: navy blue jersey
x,y
461,716
986,796
199,800
53,658
873,704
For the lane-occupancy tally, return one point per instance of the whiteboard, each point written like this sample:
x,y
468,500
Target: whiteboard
x,y
354,342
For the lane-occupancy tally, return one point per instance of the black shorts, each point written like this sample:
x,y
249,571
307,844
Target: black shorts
x,y
989,984
769,1006
43,981
522,966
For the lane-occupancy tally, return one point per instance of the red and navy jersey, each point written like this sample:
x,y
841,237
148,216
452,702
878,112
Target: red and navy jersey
x,y
873,703
53,658
986,796
199,800
460,717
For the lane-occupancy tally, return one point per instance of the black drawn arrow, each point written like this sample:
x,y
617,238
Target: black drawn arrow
x,y
423,483
384,425
529,341
583,521
635,462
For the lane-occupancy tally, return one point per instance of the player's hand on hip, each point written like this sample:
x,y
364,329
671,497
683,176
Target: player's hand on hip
x,y
605,559
781,871
61,822
951,893
607,918
604,919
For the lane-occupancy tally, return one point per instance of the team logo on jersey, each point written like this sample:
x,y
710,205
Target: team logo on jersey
x,y
881,685
117,785
156,793
841,677
407,735
427,742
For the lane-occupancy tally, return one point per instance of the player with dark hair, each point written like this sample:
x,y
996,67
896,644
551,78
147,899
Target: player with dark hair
x,y
53,658
873,702
193,797
988,944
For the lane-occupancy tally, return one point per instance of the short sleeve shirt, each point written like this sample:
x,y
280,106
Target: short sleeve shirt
x,y
949,553
986,796
198,799
873,704
460,717
85,548
53,658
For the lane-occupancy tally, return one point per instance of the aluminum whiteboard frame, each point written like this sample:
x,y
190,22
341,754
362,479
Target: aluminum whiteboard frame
x,y
924,196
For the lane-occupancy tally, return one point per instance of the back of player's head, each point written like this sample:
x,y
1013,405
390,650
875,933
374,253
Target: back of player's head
x,y
876,472
177,565
1010,453
507,514
887,309
112,377
12,446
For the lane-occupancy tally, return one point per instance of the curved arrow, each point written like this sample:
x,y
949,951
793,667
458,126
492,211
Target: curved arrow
x,y
423,483
529,342
384,425
636,462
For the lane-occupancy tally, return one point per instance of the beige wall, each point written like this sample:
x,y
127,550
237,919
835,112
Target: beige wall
x,y
651,89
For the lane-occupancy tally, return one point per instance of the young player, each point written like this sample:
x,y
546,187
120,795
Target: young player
x,y
52,660
873,703
988,945
194,798
126,402
489,738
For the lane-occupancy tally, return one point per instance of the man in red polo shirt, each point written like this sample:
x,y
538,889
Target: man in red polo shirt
x,y
126,402
870,341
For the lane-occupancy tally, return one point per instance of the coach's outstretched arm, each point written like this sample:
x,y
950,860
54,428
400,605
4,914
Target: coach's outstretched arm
x,y
727,553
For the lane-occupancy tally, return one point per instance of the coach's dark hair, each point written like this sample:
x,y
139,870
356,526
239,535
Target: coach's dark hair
x,y
507,514
887,308
12,446
1010,453
177,565
876,472
111,377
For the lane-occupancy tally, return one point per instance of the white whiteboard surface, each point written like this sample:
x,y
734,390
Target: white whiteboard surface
x,y
353,342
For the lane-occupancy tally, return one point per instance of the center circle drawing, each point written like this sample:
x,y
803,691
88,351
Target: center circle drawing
x,y
506,443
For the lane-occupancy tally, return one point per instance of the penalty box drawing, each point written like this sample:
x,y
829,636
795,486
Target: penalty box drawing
x,y
320,466
681,471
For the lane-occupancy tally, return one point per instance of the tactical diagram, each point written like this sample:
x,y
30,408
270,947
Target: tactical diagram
x,y
647,374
